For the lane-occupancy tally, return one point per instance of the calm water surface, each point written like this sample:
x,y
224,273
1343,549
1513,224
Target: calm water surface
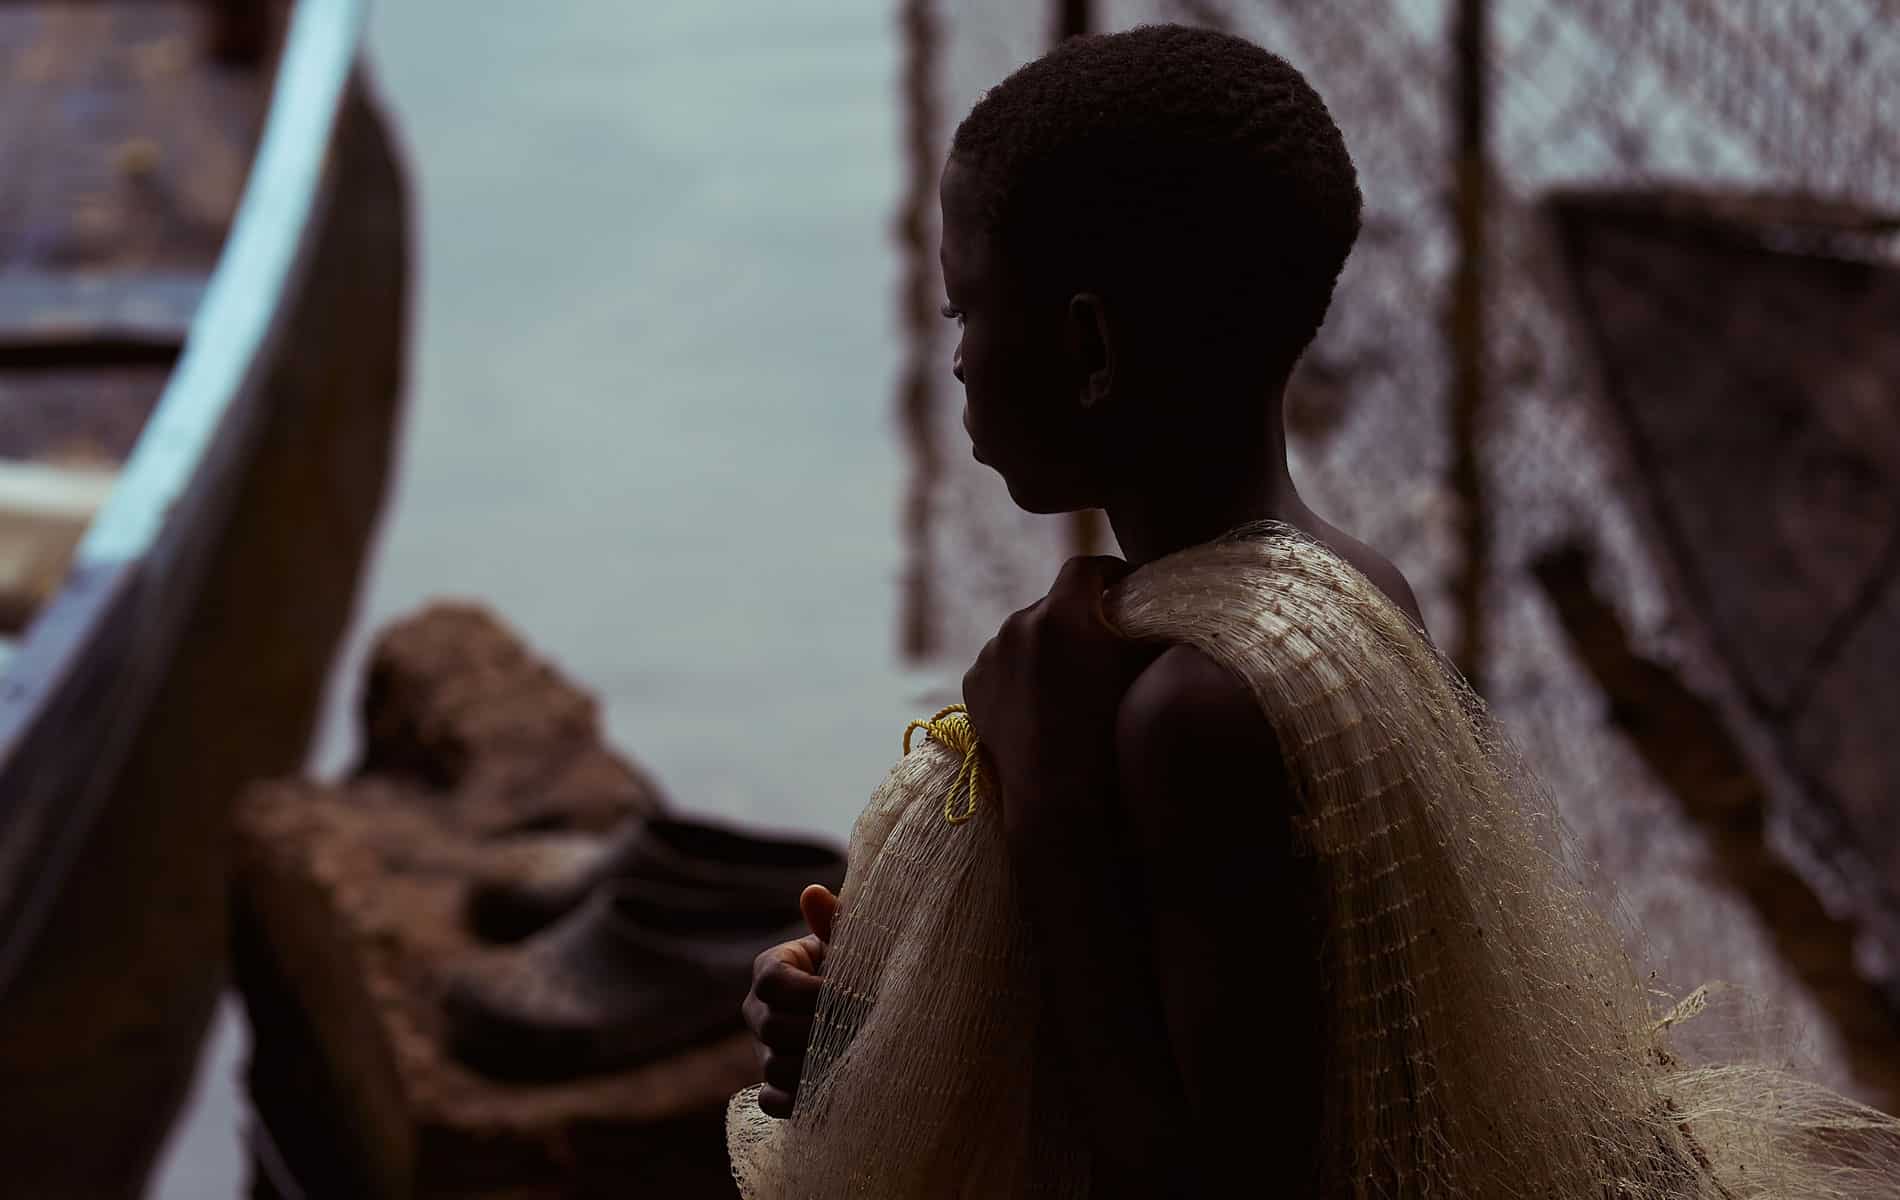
x,y
650,402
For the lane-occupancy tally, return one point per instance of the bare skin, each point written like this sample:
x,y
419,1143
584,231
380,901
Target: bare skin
x,y
1173,924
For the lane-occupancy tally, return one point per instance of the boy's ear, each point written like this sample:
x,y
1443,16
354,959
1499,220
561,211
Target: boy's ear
x,y
1092,346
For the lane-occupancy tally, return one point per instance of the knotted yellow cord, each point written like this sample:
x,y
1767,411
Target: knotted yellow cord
x,y
951,726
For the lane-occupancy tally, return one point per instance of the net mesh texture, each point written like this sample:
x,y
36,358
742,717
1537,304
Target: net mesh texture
x,y
1489,1032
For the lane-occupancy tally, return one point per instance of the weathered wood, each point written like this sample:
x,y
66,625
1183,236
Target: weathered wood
x,y
1685,742
1752,382
123,150
122,153
44,512
86,416
1466,336
95,319
103,1025
351,900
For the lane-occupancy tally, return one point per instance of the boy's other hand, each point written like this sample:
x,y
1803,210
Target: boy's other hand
x,y
784,997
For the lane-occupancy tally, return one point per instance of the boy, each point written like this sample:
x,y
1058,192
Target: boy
x,y
1141,235
1288,916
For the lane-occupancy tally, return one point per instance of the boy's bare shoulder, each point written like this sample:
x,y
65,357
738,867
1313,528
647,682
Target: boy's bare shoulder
x,y
1202,784
1188,719
1375,567
1189,722
1180,691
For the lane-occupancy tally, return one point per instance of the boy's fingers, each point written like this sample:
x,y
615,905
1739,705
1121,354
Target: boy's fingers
x,y
1089,573
820,908
782,1071
784,987
799,954
813,948
1085,577
786,1033
1079,588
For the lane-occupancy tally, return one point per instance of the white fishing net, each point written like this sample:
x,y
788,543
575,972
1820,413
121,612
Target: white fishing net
x,y
1488,1034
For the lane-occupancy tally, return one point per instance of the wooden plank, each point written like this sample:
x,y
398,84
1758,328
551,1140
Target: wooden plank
x,y
95,319
44,511
85,416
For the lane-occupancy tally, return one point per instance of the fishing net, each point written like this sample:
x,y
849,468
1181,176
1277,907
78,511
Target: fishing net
x,y
1487,1033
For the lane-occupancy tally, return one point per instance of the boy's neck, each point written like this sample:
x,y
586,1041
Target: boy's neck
x,y
1212,494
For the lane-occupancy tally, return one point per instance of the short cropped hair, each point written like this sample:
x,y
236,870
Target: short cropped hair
x,y
1189,175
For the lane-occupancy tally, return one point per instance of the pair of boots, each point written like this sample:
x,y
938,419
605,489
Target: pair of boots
x,y
624,947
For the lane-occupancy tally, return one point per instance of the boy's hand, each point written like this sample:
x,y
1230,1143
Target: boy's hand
x,y
1044,692
784,997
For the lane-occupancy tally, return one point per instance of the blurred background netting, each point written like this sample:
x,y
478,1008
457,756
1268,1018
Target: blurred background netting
x,y
1614,376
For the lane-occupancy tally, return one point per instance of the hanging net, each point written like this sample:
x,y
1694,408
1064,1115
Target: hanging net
x,y
1487,1031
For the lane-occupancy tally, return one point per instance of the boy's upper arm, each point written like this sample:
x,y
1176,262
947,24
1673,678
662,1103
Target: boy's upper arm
x,y
1207,803
1197,763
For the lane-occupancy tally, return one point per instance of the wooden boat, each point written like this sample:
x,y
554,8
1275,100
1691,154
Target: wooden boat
x,y
202,306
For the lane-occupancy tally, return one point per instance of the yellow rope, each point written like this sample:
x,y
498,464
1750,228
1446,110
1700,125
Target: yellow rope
x,y
951,727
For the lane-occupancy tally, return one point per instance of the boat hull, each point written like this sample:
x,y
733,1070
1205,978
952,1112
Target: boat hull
x,y
187,656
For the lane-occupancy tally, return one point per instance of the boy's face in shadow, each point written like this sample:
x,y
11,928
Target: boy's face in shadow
x,y
1022,379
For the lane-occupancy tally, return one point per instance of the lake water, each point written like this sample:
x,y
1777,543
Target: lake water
x,y
650,411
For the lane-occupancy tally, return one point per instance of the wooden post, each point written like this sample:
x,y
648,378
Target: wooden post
x,y
1466,332
924,364
1073,18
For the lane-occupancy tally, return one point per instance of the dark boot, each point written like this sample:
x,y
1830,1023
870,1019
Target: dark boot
x,y
637,971
537,878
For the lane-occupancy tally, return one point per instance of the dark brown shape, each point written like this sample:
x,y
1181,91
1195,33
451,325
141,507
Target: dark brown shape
x,y
350,911
737,871
640,970
457,703
1752,373
1684,740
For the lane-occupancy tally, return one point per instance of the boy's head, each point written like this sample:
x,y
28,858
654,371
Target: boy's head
x,y
1142,232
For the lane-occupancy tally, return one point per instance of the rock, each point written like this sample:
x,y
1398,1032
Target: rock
x,y
456,703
